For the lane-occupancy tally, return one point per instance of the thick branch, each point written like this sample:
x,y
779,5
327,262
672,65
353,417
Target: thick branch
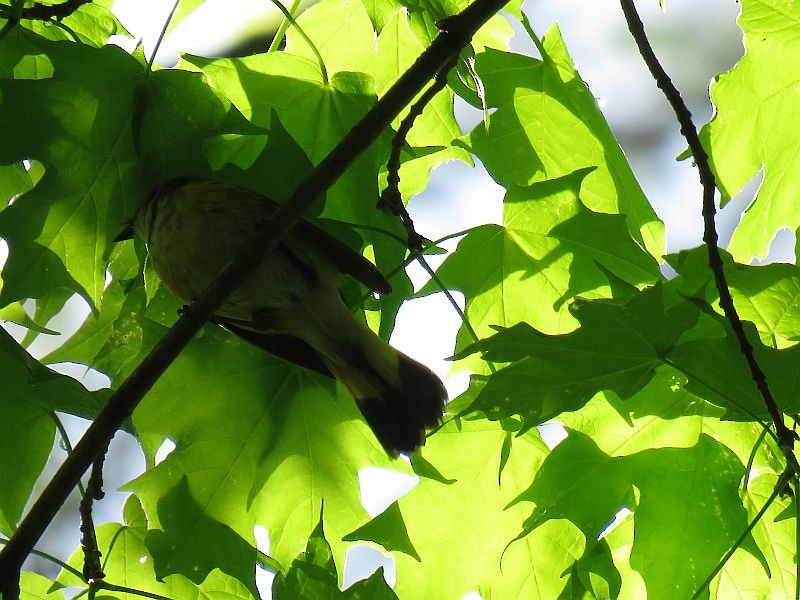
x,y
48,12
785,435
456,33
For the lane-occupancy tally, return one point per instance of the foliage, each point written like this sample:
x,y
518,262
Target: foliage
x,y
568,319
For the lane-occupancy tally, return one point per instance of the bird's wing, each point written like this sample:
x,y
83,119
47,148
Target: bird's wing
x,y
345,258
342,256
287,347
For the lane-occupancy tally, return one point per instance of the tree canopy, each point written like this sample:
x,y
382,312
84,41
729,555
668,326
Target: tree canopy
x,y
676,476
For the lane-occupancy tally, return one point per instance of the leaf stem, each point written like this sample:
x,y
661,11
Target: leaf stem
x,y
52,559
276,41
104,585
733,401
450,236
785,477
67,445
526,24
785,436
287,16
161,36
751,459
424,264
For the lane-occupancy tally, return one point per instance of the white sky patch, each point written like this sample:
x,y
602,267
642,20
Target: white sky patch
x,y
622,514
552,433
164,451
361,561
264,578
381,487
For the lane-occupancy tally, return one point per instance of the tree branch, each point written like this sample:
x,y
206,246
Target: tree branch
x,y
456,32
48,12
785,435
391,197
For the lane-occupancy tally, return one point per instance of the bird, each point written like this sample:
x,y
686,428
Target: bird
x,y
290,305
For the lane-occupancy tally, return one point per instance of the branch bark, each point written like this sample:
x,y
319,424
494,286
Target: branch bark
x,y
44,12
785,435
456,32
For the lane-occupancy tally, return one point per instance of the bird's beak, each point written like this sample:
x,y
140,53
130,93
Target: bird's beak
x,y
125,234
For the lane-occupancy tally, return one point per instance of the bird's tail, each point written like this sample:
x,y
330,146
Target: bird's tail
x,y
398,396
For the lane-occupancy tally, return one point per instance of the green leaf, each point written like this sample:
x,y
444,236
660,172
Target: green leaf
x,y
183,10
328,23
539,251
113,342
760,86
14,180
313,575
765,295
15,313
718,372
178,116
37,587
128,562
436,126
689,514
66,220
271,443
775,538
582,470
389,529
31,394
460,545
687,510
547,124
317,115
597,572
186,525
92,24
617,348
622,427
425,15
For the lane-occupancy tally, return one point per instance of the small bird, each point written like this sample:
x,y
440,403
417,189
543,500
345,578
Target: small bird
x,y
290,305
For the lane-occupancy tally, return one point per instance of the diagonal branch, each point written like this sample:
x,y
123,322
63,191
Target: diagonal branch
x,y
456,32
47,12
785,436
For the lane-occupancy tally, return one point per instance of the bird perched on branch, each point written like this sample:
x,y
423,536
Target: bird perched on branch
x,y
290,305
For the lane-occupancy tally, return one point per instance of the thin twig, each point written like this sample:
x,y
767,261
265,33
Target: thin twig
x,y
785,436
288,18
456,32
92,570
391,197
